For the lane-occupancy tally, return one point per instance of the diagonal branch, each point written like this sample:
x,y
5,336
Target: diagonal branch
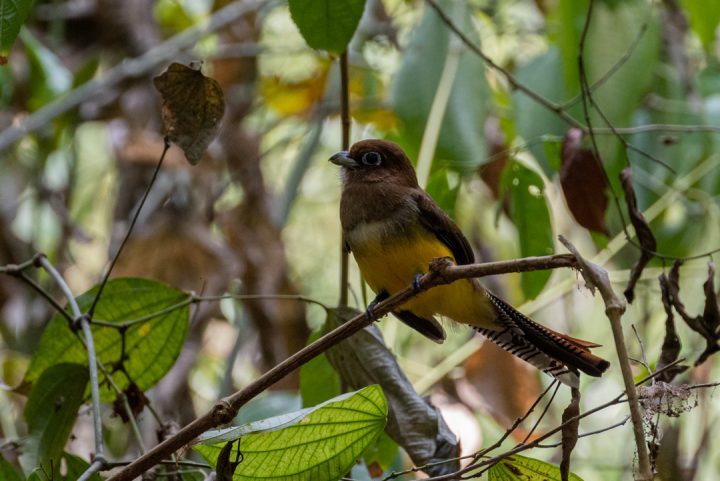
x,y
442,271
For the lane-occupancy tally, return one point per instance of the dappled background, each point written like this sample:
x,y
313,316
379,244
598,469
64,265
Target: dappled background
x,y
496,144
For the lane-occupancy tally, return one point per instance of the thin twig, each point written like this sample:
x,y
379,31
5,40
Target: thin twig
x,y
345,141
590,433
92,358
135,217
95,467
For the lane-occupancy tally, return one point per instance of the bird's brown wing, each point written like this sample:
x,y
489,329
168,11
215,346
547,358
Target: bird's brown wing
x,y
434,219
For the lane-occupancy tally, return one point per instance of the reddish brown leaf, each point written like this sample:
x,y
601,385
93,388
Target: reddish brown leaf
x,y
671,343
193,105
642,229
583,183
569,432
501,384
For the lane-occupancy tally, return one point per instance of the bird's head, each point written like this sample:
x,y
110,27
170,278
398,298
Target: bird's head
x,y
376,160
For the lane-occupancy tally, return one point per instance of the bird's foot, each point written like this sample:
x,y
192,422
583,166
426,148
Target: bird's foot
x,y
416,282
370,311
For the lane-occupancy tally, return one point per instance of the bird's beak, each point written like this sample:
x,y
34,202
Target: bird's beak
x,y
342,159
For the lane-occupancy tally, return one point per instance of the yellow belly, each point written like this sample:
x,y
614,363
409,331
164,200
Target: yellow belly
x,y
393,266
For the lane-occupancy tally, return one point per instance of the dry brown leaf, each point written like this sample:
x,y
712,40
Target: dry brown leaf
x,y
671,343
501,384
583,183
192,108
642,229
569,432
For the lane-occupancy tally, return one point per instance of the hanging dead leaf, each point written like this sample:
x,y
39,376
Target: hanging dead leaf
x,y
583,183
711,317
642,229
706,324
671,343
569,432
192,108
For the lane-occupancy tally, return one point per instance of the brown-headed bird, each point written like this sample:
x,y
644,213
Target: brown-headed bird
x,y
394,229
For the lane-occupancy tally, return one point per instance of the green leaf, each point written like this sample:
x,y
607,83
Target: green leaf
x,y
75,466
318,380
521,468
48,76
7,472
704,19
327,24
444,186
13,14
316,444
381,454
51,412
529,213
461,143
159,315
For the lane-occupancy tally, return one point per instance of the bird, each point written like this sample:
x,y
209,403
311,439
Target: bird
x,y
394,229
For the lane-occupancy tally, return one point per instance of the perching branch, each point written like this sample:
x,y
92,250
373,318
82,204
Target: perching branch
x,y
442,271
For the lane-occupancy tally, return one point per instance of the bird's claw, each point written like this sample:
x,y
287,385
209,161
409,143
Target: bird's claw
x,y
370,310
416,282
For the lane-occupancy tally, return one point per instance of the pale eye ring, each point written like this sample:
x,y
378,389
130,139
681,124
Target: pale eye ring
x,y
371,158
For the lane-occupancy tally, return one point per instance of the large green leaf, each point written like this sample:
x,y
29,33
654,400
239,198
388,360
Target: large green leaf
x,y
461,143
521,468
51,412
152,344
529,213
316,444
13,14
327,24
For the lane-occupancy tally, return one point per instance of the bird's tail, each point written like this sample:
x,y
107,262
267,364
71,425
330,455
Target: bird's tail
x,y
556,354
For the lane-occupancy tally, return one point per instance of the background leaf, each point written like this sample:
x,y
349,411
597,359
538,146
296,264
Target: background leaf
x,y
327,24
529,213
461,142
7,472
13,14
51,412
151,346
322,446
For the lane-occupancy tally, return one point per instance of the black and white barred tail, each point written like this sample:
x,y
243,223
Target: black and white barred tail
x,y
556,354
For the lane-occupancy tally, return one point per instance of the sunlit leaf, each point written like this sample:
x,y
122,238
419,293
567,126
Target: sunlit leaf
x,y
51,412
316,444
529,213
414,422
152,342
293,98
521,468
327,24
192,108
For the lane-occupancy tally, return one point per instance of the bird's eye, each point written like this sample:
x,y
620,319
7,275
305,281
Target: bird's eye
x,y
371,158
